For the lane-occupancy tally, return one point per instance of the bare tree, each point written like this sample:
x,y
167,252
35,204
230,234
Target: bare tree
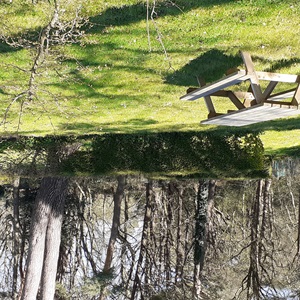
x,y
200,235
298,231
57,31
16,236
114,233
261,246
137,282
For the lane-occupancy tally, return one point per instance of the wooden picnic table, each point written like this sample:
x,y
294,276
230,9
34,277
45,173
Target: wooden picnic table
x,y
254,105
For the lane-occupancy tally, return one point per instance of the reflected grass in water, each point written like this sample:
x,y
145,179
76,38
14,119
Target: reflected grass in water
x,y
211,155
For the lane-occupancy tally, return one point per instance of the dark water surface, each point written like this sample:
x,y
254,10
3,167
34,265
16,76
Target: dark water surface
x,y
156,216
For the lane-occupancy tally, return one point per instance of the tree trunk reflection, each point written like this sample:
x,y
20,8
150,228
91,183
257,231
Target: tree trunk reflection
x,y
129,237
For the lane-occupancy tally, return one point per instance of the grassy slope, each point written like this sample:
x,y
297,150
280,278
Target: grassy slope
x,y
111,82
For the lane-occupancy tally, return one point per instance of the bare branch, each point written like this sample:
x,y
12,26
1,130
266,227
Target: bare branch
x,y
152,15
56,32
14,66
16,98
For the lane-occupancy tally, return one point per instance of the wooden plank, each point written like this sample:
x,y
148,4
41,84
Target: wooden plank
x,y
248,62
238,94
254,81
282,95
220,93
235,100
244,95
209,89
296,98
252,115
269,89
277,77
280,103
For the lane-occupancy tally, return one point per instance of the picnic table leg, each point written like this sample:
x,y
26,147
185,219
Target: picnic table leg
x,y
296,98
208,102
269,89
235,100
254,81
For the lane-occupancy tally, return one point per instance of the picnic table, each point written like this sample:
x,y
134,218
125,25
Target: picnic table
x,y
253,105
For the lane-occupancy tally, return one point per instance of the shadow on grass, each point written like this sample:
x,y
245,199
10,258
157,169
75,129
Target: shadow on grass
x,y
127,14
279,64
292,152
281,125
103,68
210,66
213,65
121,15
130,126
5,48
277,125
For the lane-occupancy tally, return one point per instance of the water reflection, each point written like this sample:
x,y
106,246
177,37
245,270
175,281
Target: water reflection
x,y
128,236
210,155
131,237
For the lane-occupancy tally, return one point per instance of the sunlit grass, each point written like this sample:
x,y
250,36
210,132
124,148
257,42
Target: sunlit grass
x,y
115,81
282,142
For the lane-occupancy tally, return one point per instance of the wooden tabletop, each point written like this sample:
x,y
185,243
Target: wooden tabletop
x,y
252,115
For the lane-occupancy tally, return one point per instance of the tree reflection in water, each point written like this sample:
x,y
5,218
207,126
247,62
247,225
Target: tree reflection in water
x,y
149,237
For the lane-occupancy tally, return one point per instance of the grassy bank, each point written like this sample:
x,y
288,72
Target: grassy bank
x,y
121,78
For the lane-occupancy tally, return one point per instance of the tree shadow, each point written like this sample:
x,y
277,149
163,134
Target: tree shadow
x,y
210,66
5,48
130,126
122,15
277,125
2,92
290,152
213,65
279,64
127,14
107,64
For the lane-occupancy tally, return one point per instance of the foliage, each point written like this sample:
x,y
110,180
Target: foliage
x,y
191,152
61,292
212,154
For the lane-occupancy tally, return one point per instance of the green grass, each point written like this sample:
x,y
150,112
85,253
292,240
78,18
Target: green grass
x,y
113,81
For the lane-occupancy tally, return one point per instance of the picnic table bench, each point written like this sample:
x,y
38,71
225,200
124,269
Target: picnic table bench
x,y
253,105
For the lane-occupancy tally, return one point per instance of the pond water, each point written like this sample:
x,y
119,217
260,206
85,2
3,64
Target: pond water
x,y
161,216
287,294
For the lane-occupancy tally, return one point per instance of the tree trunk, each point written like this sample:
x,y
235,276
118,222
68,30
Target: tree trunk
x,y
53,238
144,241
210,230
16,237
179,245
169,236
45,239
200,235
118,196
253,277
298,235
